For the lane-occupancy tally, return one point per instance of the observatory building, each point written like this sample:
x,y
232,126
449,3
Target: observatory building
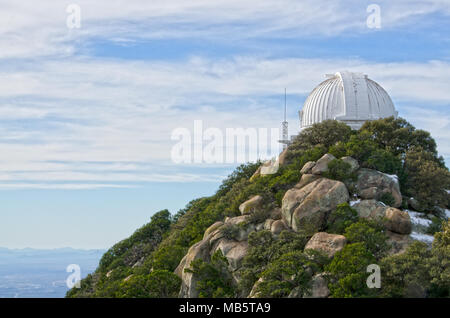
x,y
348,97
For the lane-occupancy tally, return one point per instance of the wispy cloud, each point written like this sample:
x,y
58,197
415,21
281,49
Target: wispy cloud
x,y
72,120
40,30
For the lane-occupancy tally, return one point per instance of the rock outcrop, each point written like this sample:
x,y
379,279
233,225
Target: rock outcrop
x,y
277,227
321,165
319,287
398,242
307,168
372,184
200,250
251,205
234,252
330,244
394,219
309,207
270,166
397,221
354,165
306,179
306,206
369,209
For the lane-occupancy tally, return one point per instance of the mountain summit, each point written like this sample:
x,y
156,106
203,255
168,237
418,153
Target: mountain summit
x,y
344,204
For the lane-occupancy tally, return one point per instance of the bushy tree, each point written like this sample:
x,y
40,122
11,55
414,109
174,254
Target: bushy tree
x,y
339,170
439,264
291,270
347,272
213,278
371,233
159,283
396,135
326,134
341,218
265,249
406,274
426,179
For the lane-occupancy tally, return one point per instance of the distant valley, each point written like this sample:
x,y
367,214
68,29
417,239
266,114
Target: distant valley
x,y
31,273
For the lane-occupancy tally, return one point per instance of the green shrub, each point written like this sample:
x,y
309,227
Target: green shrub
x,y
213,279
435,226
348,274
291,270
371,233
326,134
339,170
265,249
341,218
159,283
230,231
406,274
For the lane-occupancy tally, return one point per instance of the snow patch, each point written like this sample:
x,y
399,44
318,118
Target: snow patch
x,y
352,203
422,237
393,177
417,218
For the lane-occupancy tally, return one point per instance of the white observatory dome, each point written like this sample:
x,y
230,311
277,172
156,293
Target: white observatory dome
x,y
348,97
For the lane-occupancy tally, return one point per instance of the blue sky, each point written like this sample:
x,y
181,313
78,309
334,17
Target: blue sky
x,y
86,115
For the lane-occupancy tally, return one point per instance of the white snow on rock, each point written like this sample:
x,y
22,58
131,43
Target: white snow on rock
x,y
447,213
392,176
417,218
352,203
422,237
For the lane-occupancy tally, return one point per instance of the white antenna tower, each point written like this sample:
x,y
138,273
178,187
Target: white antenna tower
x,y
284,127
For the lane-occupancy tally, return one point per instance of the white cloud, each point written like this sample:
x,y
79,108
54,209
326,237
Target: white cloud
x,y
71,121
90,120
40,29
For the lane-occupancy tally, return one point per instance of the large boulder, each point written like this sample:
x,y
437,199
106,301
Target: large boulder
x,y
212,228
372,184
268,224
354,165
241,225
416,205
321,165
277,227
275,214
398,242
307,167
306,179
319,287
251,205
199,250
237,219
393,219
233,251
369,209
330,244
271,166
309,207
397,221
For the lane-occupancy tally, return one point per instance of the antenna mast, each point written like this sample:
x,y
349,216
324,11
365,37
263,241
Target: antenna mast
x,y
284,126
